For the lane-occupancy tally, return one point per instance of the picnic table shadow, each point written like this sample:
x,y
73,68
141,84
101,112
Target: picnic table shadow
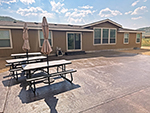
x,y
46,92
10,81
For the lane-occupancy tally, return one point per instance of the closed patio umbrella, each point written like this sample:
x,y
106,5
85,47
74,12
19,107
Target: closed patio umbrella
x,y
26,46
46,48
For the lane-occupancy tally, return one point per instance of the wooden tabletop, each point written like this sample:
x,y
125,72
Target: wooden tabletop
x,y
44,64
10,61
24,54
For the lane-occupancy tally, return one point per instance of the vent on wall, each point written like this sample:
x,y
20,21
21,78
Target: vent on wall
x,y
15,21
35,23
70,25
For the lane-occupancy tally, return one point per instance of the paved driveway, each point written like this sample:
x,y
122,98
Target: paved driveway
x,y
105,82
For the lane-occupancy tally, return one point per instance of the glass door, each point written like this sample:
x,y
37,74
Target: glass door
x,y
74,41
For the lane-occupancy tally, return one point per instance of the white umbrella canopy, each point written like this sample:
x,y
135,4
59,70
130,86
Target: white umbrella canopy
x,y
26,46
46,48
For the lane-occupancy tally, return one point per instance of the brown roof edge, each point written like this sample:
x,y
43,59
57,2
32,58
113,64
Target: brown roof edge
x,y
102,21
147,35
130,30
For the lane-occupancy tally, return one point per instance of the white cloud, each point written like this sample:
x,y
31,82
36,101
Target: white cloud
x,y
7,1
27,1
34,11
109,13
76,15
56,6
79,13
63,10
76,20
67,14
126,13
86,7
139,10
136,18
73,15
134,3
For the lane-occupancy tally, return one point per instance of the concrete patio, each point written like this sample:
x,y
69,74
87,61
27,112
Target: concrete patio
x,y
105,82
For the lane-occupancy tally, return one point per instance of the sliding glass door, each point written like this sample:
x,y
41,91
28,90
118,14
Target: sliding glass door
x,y
74,41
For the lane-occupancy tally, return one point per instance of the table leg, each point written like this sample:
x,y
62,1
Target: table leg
x,y
13,68
47,70
57,69
28,74
64,69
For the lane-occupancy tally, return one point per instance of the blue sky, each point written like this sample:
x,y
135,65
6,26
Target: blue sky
x,y
129,13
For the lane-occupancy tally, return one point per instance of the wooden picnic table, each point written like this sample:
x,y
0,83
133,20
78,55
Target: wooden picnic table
x,y
60,64
24,54
13,63
41,65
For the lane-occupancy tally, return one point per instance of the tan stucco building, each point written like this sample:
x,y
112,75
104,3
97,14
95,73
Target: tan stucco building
x,y
101,35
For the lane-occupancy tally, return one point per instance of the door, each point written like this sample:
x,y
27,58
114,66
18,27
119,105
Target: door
x,y
74,41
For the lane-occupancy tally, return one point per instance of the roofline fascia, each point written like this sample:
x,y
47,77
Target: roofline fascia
x,y
10,27
123,31
71,29
37,28
102,21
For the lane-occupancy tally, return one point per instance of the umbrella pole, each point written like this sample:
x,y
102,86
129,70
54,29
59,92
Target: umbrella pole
x,y
27,54
47,60
47,64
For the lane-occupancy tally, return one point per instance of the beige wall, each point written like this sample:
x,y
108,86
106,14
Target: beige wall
x,y
17,42
87,42
59,40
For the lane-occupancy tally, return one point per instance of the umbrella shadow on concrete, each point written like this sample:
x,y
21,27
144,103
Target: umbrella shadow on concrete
x,y
46,92
52,102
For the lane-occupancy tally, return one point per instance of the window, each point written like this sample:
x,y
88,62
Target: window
x,y
5,38
97,36
112,36
137,38
126,38
42,38
104,36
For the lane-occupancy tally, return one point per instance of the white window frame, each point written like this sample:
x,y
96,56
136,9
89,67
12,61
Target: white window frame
x,y
94,36
10,37
40,40
124,38
80,41
136,38
108,36
102,36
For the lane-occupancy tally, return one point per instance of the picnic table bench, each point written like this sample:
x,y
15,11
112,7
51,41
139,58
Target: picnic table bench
x,y
24,54
16,64
60,64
